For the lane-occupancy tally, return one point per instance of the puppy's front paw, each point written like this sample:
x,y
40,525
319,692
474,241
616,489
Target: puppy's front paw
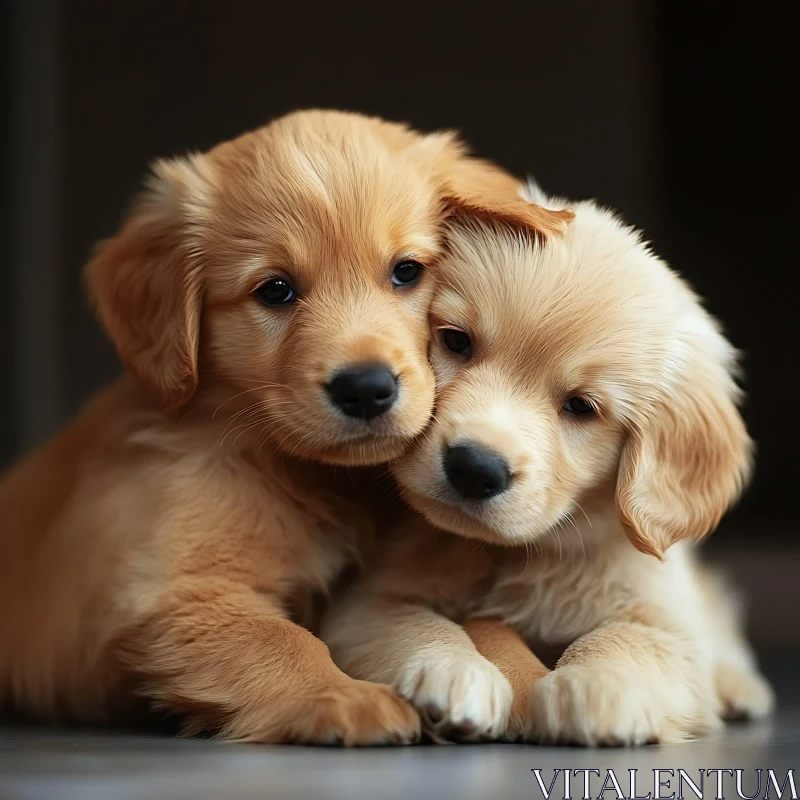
x,y
743,693
354,714
606,705
460,696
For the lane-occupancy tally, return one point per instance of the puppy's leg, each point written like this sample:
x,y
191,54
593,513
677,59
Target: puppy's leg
x,y
627,682
742,691
429,659
225,657
507,650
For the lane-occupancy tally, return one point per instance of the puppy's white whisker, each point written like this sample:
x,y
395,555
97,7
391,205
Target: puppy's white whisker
x,y
264,405
234,397
246,428
244,414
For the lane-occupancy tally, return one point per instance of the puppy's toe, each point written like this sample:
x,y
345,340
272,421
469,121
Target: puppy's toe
x,y
595,706
357,713
433,714
460,697
743,693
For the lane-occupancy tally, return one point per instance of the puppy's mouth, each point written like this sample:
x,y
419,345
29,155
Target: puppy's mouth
x,y
445,510
370,413
364,450
487,522
349,430
361,440
359,415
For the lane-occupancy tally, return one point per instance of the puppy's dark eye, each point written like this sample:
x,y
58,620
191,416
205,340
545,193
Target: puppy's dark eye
x,y
456,341
578,405
406,273
275,292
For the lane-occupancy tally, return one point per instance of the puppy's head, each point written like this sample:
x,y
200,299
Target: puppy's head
x,y
285,275
570,372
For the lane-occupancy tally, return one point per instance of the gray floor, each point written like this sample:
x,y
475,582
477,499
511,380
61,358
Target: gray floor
x,y
52,764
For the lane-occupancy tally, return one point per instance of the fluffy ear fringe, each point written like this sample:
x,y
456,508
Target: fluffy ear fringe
x,y
146,282
683,468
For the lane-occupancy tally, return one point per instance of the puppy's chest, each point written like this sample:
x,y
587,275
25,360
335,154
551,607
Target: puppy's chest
x,y
315,548
554,604
308,537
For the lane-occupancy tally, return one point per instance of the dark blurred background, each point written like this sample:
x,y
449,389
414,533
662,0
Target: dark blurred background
x,y
675,112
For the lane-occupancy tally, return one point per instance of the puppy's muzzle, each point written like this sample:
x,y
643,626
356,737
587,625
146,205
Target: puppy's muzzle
x,y
476,472
364,391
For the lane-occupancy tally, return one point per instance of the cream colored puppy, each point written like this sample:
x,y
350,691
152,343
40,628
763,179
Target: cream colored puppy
x,y
587,413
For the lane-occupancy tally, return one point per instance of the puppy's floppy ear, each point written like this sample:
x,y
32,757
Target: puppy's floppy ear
x,y
683,465
146,281
479,188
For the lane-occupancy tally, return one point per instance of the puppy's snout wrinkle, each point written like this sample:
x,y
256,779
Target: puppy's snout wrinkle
x,y
476,472
364,391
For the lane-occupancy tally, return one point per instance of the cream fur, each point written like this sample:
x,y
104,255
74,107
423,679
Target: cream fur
x,y
602,509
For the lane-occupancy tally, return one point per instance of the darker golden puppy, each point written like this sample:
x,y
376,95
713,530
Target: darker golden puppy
x,y
269,299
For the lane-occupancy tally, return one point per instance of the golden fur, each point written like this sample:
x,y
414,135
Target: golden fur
x,y
653,646
161,544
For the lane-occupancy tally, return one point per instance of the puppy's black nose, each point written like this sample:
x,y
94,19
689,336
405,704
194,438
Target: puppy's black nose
x,y
474,472
363,390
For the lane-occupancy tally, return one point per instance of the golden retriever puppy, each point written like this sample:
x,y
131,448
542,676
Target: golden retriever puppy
x,y
269,300
587,433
